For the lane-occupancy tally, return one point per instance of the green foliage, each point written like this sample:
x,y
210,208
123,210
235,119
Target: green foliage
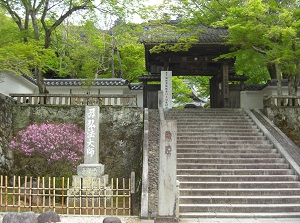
x,y
63,49
181,91
133,61
20,57
261,32
201,83
267,27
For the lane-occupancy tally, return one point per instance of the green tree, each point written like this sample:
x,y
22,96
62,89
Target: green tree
x,y
39,19
266,29
38,22
181,91
86,51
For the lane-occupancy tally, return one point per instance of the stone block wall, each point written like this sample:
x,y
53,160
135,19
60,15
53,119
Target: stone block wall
x,y
6,128
120,134
154,133
287,120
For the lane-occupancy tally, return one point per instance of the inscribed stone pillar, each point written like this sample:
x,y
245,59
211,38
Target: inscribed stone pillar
x,y
91,166
167,169
90,180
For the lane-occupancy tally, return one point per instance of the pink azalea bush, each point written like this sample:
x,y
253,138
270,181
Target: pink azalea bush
x,y
49,147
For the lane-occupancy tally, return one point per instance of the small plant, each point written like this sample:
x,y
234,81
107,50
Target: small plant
x,y
48,149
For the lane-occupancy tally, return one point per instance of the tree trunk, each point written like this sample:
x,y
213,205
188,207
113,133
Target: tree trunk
x,y
272,70
40,81
291,85
278,77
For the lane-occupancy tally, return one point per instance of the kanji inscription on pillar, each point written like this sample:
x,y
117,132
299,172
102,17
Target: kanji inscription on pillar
x,y
168,139
91,147
166,87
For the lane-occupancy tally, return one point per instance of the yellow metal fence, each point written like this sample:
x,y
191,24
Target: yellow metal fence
x,y
41,194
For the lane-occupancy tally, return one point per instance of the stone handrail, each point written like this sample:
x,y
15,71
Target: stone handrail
x,y
76,99
281,101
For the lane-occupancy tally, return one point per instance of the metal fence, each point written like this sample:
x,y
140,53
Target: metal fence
x,y
63,196
76,99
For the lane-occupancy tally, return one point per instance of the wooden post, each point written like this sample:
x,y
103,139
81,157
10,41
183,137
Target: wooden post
x,y
225,85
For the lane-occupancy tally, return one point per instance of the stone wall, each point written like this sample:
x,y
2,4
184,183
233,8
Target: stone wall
x,y
121,130
120,134
6,108
287,120
154,132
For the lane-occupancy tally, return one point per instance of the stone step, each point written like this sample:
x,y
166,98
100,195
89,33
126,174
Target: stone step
x,y
192,217
209,120
211,111
220,138
223,142
228,155
236,178
214,122
204,113
230,161
228,131
232,166
234,172
216,125
239,185
239,208
224,146
241,192
227,167
219,134
225,150
239,200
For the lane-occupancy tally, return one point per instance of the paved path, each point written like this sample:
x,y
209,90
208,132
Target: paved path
x,y
235,220
243,220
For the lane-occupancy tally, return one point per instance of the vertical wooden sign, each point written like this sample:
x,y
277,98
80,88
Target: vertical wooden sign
x,y
166,87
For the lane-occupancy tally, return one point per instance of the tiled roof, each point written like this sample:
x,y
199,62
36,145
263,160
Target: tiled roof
x,y
81,82
254,87
258,87
136,86
212,35
207,35
31,79
273,82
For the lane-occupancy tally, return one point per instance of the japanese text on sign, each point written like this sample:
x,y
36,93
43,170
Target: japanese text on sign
x,y
91,132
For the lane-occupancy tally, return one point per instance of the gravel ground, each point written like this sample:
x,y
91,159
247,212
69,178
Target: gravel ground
x,y
89,219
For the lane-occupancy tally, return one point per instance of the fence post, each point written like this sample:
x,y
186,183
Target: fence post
x,y
132,191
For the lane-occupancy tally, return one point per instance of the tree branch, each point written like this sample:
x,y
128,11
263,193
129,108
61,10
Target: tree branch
x,y
259,50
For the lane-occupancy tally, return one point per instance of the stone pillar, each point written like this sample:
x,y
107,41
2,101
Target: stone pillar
x,y
167,190
91,166
90,174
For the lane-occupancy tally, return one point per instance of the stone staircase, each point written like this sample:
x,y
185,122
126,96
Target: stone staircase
x,y
227,168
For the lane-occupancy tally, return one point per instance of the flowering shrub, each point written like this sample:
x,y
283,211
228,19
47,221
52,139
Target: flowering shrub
x,y
48,149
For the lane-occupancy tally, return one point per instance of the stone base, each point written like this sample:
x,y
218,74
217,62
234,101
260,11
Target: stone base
x,y
89,187
166,219
90,170
80,182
